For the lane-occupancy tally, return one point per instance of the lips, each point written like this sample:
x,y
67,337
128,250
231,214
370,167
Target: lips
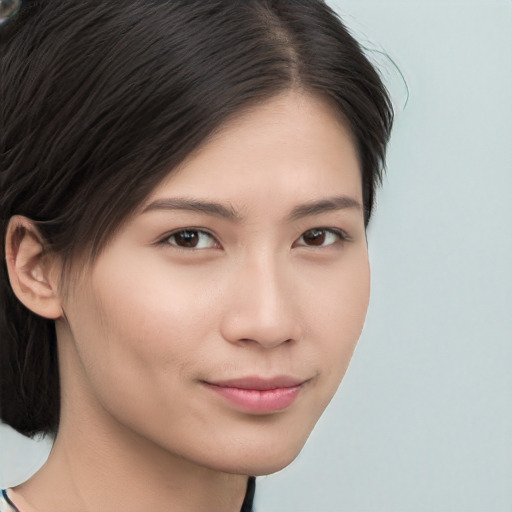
x,y
260,384
259,395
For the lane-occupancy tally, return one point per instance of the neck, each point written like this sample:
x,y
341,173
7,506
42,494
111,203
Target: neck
x,y
110,468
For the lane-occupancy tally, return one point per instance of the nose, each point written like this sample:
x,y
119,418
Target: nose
x,y
261,306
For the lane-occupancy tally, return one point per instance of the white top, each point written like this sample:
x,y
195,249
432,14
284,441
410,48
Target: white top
x,y
5,503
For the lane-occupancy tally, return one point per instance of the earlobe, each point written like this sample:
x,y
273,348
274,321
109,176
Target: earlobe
x,y
32,272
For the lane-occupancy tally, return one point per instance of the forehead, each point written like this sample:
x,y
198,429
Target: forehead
x,y
292,147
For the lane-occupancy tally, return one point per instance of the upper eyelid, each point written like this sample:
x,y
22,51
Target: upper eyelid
x,y
188,228
342,234
165,237
337,231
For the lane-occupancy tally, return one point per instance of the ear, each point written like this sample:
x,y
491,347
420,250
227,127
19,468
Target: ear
x,y
32,272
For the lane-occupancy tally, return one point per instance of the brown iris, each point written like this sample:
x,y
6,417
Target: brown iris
x,y
314,237
186,238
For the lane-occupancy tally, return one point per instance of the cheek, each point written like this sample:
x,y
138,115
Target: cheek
x,y
152,314
338,315
140,334
134,330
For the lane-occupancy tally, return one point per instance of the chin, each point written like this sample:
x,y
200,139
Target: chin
x,y
258,460
272,466
258,467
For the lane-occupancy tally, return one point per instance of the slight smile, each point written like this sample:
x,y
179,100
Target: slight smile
x,y
257,395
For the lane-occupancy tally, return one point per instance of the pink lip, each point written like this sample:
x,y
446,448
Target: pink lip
x,y
259,395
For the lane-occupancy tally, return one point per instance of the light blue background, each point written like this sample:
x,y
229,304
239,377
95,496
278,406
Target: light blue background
x,y
423,419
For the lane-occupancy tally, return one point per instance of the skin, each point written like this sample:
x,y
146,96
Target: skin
x,y
259,295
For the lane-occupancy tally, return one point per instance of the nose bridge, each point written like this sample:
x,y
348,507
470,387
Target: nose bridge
x,y
262,301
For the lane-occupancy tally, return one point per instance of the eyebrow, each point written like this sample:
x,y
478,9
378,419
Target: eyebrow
x,y
325,205
195,205
230,213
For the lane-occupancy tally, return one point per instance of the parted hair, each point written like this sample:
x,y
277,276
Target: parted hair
x,y
100,100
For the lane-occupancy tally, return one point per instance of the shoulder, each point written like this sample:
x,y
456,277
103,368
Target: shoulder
x,y
5,503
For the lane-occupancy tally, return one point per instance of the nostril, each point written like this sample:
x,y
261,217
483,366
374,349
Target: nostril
x,y
262,341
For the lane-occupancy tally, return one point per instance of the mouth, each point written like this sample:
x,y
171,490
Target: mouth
x,y
259,395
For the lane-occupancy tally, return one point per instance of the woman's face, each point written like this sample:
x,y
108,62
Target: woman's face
x,y
220,320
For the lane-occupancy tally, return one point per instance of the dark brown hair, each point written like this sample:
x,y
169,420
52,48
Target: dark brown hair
x,y
100,99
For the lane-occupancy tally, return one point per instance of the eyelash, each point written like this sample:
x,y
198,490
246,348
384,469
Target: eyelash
x,y
341,235
167,238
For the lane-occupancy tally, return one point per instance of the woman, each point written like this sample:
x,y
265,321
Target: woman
x,y
185,191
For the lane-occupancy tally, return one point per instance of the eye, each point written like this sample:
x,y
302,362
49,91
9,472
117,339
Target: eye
x,y
321,237
191,239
